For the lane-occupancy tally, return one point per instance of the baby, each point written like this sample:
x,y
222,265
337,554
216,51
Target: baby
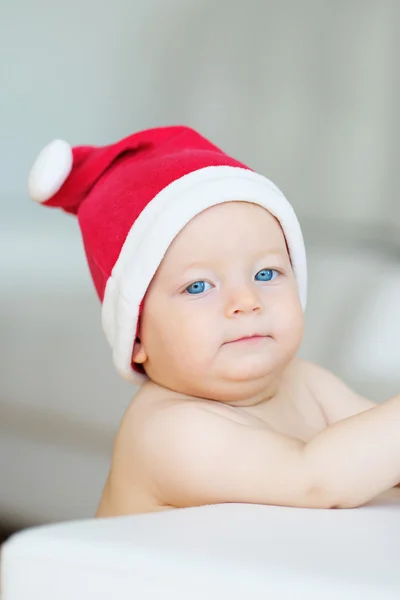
x,y
200,266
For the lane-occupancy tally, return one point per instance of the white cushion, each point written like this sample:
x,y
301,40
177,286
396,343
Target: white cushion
x,y
214,552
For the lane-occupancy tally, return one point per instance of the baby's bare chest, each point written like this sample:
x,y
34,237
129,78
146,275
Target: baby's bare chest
x,y
299,417
294,413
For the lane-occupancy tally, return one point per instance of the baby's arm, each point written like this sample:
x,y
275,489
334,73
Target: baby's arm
x,y
191,456
336,400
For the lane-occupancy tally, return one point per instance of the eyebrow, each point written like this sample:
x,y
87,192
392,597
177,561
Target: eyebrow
x,y
204,265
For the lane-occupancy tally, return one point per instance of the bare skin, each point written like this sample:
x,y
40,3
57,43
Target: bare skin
x,y
222,420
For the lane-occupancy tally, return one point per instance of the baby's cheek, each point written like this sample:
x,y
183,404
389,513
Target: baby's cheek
x,y
196,338
291,325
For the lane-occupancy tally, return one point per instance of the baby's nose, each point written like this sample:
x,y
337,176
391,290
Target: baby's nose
x,y
242,301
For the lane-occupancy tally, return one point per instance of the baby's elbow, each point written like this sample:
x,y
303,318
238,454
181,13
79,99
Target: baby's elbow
x,y
345,504
324,498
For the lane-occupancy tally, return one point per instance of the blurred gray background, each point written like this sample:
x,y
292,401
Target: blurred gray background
x,y
307,93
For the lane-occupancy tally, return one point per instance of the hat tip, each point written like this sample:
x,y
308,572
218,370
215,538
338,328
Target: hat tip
x,y
50,170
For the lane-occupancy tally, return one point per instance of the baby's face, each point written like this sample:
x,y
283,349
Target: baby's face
x,y
226,276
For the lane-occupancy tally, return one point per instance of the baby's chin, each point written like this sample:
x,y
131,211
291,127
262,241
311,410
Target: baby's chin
x,y
227,385
232,374
244,392
250,368
250,362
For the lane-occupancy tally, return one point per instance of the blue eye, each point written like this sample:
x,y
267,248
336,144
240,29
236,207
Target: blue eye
x,y
198,287
266,275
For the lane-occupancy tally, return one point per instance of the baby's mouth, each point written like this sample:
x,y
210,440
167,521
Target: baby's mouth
x,y
248,339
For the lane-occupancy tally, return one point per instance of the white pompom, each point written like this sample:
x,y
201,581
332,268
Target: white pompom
x,y
50,170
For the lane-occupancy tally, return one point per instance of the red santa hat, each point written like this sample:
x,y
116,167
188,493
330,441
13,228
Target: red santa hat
x,y
133,197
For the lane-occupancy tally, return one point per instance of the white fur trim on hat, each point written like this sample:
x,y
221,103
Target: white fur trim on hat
x,y
157,226
50,170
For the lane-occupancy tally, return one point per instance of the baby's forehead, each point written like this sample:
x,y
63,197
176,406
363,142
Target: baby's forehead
x,y
229,217
226,232
228,222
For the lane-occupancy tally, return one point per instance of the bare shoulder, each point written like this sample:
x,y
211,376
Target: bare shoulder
x,y
128,489
161,435
151,404
336,399
149,399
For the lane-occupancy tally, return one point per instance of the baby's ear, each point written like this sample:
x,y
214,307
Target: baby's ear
x,y
139,355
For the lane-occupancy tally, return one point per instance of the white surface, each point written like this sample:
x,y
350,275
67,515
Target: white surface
x,y
215,552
